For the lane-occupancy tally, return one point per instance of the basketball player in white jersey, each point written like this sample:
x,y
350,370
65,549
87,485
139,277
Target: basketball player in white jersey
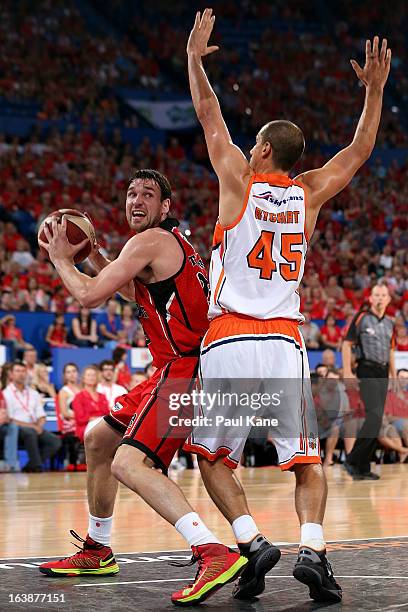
x,y
265,223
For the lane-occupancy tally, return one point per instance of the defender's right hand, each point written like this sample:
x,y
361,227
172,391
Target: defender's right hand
x,y
377,64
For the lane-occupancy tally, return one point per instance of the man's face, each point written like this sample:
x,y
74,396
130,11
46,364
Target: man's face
x,y
30,357
403,380
19,375
257,150
107,373
144,208
380,298
329,358
90,377
112,307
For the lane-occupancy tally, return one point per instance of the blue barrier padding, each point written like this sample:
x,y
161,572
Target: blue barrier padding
x,y
81,356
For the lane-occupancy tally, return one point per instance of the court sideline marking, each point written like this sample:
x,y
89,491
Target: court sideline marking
x,y
185,579
152,552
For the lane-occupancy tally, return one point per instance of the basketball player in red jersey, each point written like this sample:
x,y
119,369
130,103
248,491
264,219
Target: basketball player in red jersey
x,y
160,270
257,263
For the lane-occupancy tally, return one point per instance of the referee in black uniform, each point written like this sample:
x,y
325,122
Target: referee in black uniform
x,y
372,333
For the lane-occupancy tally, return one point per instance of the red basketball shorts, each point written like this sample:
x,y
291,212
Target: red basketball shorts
x,y
146,417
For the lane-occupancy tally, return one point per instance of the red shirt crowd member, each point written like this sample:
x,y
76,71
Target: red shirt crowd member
x,y
123,375
88,404
331,333
401,338
396,405
57,333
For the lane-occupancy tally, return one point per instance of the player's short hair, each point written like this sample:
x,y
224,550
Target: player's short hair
x,y
159,178
287,142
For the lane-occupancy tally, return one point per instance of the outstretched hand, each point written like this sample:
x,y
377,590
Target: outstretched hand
x,y
200,34
58,246
377,64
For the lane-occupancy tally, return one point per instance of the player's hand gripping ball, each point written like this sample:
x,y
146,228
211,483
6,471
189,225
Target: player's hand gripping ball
x,y
79,229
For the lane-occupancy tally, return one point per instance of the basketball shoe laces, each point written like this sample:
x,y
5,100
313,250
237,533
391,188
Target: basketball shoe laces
x,y
85,545
216,565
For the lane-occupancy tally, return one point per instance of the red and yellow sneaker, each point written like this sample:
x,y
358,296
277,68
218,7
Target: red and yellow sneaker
x,y
217,565
93,559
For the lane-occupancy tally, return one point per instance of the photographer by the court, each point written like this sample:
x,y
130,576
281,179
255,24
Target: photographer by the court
x,y
371,331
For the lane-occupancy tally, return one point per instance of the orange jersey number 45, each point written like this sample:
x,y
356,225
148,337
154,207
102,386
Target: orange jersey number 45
x,y
261,256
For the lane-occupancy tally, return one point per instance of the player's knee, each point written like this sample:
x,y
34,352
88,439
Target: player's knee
x,y
308,471
94,446
118,468
211,468
131,463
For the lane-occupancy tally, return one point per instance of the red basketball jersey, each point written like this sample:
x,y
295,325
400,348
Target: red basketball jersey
x,y
173,312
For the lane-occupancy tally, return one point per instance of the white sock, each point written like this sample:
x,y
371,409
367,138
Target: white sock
x,y
192,528
311,535
244,528
99,529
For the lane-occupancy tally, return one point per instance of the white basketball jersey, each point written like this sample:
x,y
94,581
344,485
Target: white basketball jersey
x,y
257,263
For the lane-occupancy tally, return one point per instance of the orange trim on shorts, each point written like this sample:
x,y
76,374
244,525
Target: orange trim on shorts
x,y
300,459
234,324
223,451
243,209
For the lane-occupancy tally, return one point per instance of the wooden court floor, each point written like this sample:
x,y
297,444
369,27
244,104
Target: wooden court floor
x,y
38,510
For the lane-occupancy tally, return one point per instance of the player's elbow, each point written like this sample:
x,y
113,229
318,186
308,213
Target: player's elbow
x,y
363,152
88,301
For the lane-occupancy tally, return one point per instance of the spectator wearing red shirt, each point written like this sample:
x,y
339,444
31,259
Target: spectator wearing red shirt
x,y
331,333
401,338
57,333
122,371
318,303
12,335
88,404
333,308
333,290
175,150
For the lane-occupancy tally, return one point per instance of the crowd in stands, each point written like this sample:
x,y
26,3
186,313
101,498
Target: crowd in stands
x,y
80,403
58,56
361,235
274,58
116,328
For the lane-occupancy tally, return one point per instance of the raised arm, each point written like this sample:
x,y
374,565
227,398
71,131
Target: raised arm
x,y
324,183
228,161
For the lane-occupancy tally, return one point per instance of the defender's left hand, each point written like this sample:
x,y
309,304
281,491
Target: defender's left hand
x,y
200,35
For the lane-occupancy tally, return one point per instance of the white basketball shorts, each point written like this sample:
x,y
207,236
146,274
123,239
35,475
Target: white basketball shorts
x,y
254,381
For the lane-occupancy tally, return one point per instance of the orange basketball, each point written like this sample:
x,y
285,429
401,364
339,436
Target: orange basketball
x,y
79,227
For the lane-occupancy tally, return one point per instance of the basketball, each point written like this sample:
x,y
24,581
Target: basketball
x,y
79,227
